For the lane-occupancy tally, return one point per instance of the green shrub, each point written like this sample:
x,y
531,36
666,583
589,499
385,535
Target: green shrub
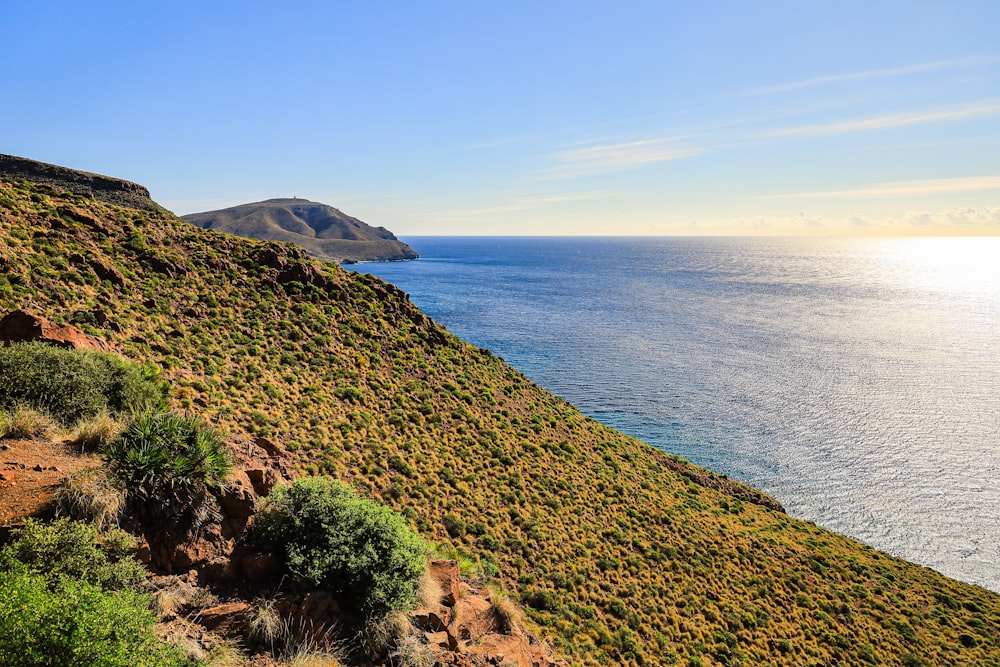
x,y
74,549
167,462
73,384
331,538
70,623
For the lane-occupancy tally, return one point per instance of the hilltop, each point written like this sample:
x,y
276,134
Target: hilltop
x,y
622,554
323,231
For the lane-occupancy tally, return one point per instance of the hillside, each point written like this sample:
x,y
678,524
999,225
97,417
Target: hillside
x,y
622,554
325,232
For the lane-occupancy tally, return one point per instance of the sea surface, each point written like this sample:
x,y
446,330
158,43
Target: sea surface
x,y
857,381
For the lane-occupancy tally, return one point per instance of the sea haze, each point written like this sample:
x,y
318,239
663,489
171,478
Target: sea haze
x,y
857,381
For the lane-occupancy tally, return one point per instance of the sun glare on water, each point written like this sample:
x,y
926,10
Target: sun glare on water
x,y
963,266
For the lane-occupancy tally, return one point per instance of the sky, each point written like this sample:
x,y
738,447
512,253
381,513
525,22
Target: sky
x,y
775,117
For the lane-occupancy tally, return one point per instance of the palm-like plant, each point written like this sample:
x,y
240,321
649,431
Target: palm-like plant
x,y
168,462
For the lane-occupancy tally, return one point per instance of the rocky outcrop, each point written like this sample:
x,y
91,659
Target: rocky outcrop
x,y
466,627
18,326
216,550
287,265
104,188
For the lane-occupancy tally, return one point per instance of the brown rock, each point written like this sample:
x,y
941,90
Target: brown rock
x,y
432,621
472,617
441,640
19,326
263,480
238,500
446,574
259,567
107,271
272,448
230,613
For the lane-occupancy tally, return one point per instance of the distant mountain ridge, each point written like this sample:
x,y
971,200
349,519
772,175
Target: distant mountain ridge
x,y
324,232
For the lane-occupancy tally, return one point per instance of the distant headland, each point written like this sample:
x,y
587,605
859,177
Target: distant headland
x,y
323,231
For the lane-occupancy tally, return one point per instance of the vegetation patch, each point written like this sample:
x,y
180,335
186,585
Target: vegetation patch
x,y
67,599
570,514
71,385
329,537
167,463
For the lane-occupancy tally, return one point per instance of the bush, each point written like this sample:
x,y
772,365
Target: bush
x,y
167,463
73,384
69,623
74,549
331,538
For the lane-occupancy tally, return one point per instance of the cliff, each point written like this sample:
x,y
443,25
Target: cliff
x,y
103,188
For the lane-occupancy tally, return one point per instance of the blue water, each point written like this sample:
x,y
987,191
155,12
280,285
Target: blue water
x,y
857,381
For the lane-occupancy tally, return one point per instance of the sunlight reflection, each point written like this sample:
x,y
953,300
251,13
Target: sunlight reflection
x,y
960,265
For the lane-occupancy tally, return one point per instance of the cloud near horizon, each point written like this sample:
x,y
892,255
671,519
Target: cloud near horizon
x,y
898,189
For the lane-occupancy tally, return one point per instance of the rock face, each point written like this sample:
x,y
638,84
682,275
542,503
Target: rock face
x,y
467,627
216,549
20,326
323,231
105,188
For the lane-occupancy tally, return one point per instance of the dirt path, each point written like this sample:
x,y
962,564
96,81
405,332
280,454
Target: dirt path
x,y
30,471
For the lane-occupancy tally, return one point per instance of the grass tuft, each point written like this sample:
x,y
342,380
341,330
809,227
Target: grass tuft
x,y
90,494
26,423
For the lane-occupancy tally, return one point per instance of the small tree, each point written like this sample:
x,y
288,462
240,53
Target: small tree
x,y
331,538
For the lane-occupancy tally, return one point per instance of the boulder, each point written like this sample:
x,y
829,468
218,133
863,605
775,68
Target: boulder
x,y
20,326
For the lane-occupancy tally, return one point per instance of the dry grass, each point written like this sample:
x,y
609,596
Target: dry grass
x,y
266,624
308,645
169,601
412,651
429,593
225,653
509,614
381,635
94,432
27,423
90,494
304,657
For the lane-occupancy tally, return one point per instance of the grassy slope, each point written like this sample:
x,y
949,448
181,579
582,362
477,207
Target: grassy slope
x,y
620,558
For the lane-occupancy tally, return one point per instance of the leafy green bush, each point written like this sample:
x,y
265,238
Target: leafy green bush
x,y
74,549
73,384
167,462
331,538
71,623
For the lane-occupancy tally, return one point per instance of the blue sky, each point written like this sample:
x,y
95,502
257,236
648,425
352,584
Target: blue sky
x,y
653,118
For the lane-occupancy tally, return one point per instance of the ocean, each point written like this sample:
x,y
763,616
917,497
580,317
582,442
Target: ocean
x,y
857,381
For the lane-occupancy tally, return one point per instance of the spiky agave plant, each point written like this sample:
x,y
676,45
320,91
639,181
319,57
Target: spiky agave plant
x,y
168,463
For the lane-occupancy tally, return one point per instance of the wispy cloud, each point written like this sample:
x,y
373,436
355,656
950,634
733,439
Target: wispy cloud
x,y
978,109
606,158
515,205
900,188
874,74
